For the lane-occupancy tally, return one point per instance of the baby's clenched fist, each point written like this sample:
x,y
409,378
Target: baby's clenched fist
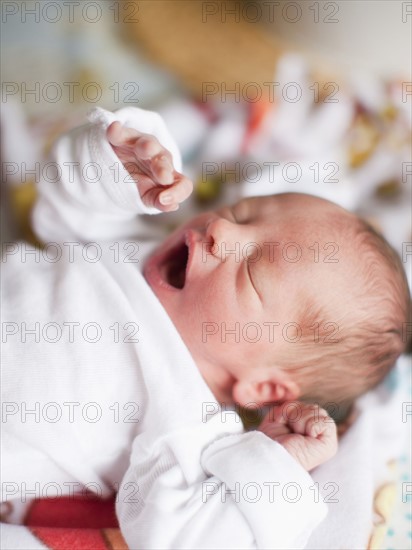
x,y
306,431
151,167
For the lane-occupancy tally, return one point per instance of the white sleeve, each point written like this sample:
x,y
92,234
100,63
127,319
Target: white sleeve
x,y
246,491
85,192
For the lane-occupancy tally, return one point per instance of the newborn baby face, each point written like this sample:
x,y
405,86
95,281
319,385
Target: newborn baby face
x,y
234,280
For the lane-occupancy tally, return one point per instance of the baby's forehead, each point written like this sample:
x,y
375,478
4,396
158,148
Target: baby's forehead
x,y
291,201
314,238
296,212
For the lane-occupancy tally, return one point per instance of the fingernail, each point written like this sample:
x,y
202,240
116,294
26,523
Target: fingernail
x,y
167,198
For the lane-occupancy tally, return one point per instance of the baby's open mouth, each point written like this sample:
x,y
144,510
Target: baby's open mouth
x,y
174,265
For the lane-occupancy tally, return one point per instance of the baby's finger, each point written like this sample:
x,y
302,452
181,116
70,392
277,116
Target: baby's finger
x,y
162,169
178,192
118,135
322,426
147,147
302,414
287,412
324,430
151,198
277,414
274,430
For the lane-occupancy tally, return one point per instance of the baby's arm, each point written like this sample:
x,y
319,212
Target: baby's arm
x,y
240,491
94,196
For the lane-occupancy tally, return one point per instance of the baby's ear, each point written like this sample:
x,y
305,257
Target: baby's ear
x,y
264,391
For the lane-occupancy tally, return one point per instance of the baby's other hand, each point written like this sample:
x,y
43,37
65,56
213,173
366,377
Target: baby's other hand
x,y
151,167
306,431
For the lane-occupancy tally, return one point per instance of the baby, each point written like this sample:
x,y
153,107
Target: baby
x,y
286,302
230,265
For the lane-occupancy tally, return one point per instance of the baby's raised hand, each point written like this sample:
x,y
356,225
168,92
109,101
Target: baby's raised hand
x,y
151,167
306,431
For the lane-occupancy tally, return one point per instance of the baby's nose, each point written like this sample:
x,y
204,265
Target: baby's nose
x,y
220,230
226,238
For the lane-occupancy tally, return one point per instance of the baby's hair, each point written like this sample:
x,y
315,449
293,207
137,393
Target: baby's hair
x,y
378,333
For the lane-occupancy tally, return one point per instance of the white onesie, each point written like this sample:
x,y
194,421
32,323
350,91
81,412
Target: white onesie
x,y
99,391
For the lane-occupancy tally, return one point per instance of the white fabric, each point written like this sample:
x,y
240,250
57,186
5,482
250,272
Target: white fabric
x,y
16,537
349,481
91,399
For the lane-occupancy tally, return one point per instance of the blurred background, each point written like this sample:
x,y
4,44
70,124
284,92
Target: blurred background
x,y
261,96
